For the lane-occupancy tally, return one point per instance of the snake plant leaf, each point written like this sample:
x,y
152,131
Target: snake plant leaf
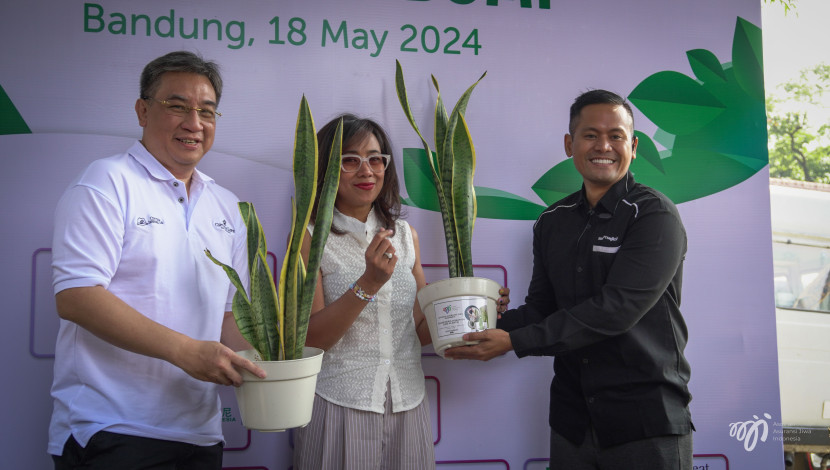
x,y
276,323
400,89
322,228
446,159
244,316
442,192
264,300
284,291
441,121
445,143
648,151
264,303
449,132
706,66
748,58
442,169
444,164
242,309
454,255
461,105
675,102
463,194
253,235
255,317
305,189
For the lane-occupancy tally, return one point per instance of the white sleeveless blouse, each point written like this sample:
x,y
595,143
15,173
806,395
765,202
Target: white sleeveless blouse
x,y
381,345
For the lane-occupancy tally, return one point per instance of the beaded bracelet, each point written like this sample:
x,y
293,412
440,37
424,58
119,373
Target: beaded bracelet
x,y
361,294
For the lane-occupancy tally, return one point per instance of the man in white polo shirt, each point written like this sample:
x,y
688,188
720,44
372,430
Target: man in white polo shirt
x,y
142,308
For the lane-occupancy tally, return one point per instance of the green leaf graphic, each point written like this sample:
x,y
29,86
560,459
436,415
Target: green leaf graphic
x,y
699,160
11,122
497,204
705,65
418,180
748,59
648,151
558,182
491,203
711,135
676,102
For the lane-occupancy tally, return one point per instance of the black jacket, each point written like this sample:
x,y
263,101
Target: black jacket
x,y
605,300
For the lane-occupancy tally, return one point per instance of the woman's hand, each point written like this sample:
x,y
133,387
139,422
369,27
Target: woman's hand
x,y
380,262
504,299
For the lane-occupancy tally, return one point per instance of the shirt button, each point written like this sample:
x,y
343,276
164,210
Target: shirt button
x,y
175,184
387,361
585,360
578,268
590,399
385,331
181,199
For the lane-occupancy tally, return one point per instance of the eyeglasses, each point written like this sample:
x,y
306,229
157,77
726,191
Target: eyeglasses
x,y
174,109
377,162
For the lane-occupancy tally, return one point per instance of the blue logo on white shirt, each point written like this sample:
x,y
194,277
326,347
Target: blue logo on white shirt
x,y
224,226
149,220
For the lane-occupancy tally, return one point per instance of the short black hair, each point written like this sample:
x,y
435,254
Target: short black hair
x,y
596,97
179,61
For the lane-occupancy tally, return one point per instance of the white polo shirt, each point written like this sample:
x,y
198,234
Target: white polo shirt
x,y
128,225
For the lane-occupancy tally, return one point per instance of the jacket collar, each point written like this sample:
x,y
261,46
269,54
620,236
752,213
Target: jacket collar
x,y
608,202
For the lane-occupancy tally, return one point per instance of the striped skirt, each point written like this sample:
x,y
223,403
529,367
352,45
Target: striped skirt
x,y
340,438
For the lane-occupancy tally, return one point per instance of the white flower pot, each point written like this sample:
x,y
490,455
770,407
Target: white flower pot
x,y
457,306
285,397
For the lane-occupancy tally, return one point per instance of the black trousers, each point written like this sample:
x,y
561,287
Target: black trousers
x,y
107,451
671,452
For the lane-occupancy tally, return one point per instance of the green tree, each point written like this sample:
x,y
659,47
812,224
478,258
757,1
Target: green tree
x,y
787,4
798,148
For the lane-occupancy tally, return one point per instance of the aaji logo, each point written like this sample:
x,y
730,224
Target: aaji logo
x,y
447,309
748,431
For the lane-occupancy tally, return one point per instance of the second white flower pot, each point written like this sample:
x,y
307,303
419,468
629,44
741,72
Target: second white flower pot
x,y
457,306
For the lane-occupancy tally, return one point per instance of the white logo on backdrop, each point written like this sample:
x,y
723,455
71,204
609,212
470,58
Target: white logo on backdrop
x,y
747,431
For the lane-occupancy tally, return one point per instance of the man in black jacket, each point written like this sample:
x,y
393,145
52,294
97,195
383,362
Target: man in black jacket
x,y
604,300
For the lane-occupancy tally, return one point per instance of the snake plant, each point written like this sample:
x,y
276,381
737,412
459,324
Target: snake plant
x,y
453,167
274,319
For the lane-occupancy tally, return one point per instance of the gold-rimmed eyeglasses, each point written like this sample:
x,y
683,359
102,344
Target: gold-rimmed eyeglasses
x,y
376,162
177,109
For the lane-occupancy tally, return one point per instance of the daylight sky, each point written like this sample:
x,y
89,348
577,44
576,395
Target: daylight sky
x,y
794,42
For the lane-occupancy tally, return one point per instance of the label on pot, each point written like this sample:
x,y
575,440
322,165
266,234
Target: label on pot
x,y
455,316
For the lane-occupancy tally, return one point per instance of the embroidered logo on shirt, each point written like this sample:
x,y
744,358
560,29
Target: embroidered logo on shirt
x,y
606,249
149,220
224,226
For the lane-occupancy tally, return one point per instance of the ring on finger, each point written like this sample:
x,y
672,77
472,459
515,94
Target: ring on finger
x,y
388,255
